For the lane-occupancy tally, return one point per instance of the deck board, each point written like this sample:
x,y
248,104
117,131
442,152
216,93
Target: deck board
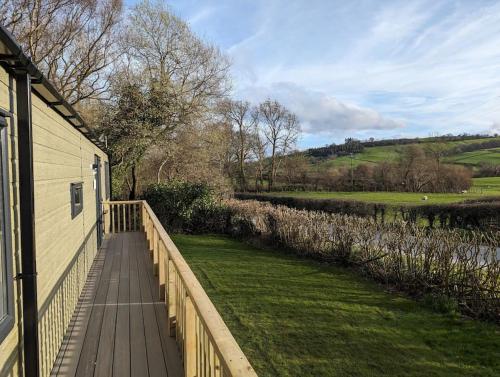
x,y
119,327
121,358
156,361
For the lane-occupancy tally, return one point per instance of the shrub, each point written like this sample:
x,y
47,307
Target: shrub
x,y
441,303
186,207
463,267
484,214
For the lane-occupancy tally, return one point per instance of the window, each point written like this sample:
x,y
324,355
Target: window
x,y
76,199
6,281
107,189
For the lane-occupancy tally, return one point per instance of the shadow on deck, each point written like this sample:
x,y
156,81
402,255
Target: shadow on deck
x,y
119,327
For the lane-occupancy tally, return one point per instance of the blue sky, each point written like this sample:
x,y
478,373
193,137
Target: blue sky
x,y
362,68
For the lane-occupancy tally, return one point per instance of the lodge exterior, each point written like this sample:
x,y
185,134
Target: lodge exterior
x,y
61,246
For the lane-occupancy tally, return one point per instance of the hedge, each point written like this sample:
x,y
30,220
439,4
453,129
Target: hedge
x,y
467,215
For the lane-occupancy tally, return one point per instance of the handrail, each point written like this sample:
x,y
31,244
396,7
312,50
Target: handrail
x,y
207,346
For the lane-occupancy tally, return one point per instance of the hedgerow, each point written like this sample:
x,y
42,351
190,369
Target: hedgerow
x,y
441,262
453,265
479,215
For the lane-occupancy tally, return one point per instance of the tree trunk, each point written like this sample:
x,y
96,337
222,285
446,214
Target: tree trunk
x,y
133,187
243,180
273,167
159,171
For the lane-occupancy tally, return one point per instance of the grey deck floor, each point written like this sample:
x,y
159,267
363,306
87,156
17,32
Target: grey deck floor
x,y
119,327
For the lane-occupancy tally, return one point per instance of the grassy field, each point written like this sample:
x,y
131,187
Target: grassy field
x,y
483,187
488,185
295,317
392,152
491,156
372,155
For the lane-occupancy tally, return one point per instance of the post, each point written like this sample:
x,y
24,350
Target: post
x,y
156,252
107,216
171,298
112,209
142,221
146,227
190,339
162,257
27,225
124,218
130,214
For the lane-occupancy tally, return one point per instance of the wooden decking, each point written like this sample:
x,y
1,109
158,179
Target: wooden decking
x,y
120,326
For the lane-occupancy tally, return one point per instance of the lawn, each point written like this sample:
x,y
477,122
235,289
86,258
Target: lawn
x,y
296,317
483,187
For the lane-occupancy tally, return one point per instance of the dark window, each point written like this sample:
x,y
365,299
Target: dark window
x,y
107,188
76,199
6,282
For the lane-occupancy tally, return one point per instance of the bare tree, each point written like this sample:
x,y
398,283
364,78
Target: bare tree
x,y
162,46
73,42
259,147
243,119
417,171
281,129
295,168
162,100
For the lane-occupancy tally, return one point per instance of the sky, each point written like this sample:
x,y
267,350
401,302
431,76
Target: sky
x,y
359,68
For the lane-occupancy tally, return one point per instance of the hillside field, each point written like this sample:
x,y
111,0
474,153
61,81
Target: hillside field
x,y
374,155
482,188
477,157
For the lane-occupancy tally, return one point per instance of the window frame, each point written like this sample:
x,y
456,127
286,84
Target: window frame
x,y
76,209
6,323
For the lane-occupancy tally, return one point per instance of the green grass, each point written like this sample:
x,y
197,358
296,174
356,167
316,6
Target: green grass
x,y
475,158
296,317
391,153
395,198
373,155
488,186
483,187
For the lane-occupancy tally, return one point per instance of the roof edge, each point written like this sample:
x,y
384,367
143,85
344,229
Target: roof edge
x,y
18,60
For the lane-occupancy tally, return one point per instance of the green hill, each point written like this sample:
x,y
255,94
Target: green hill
x,y
477,157
377,154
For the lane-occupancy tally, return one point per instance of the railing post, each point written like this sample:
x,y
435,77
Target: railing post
x,y
123,228
162,251
171,298
107,216
150,232
167,277
143,218
156,252
190,339
113,217
130,214
136,218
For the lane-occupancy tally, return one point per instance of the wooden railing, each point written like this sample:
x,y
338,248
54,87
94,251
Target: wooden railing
x,y
207,346
124,216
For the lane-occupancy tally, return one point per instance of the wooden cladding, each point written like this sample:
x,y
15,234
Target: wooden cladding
x,y
206,344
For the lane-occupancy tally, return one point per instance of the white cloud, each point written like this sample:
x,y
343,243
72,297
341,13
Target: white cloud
x,y
321,113
367,65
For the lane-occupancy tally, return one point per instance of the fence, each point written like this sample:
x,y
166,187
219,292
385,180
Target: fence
x,y
206,344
